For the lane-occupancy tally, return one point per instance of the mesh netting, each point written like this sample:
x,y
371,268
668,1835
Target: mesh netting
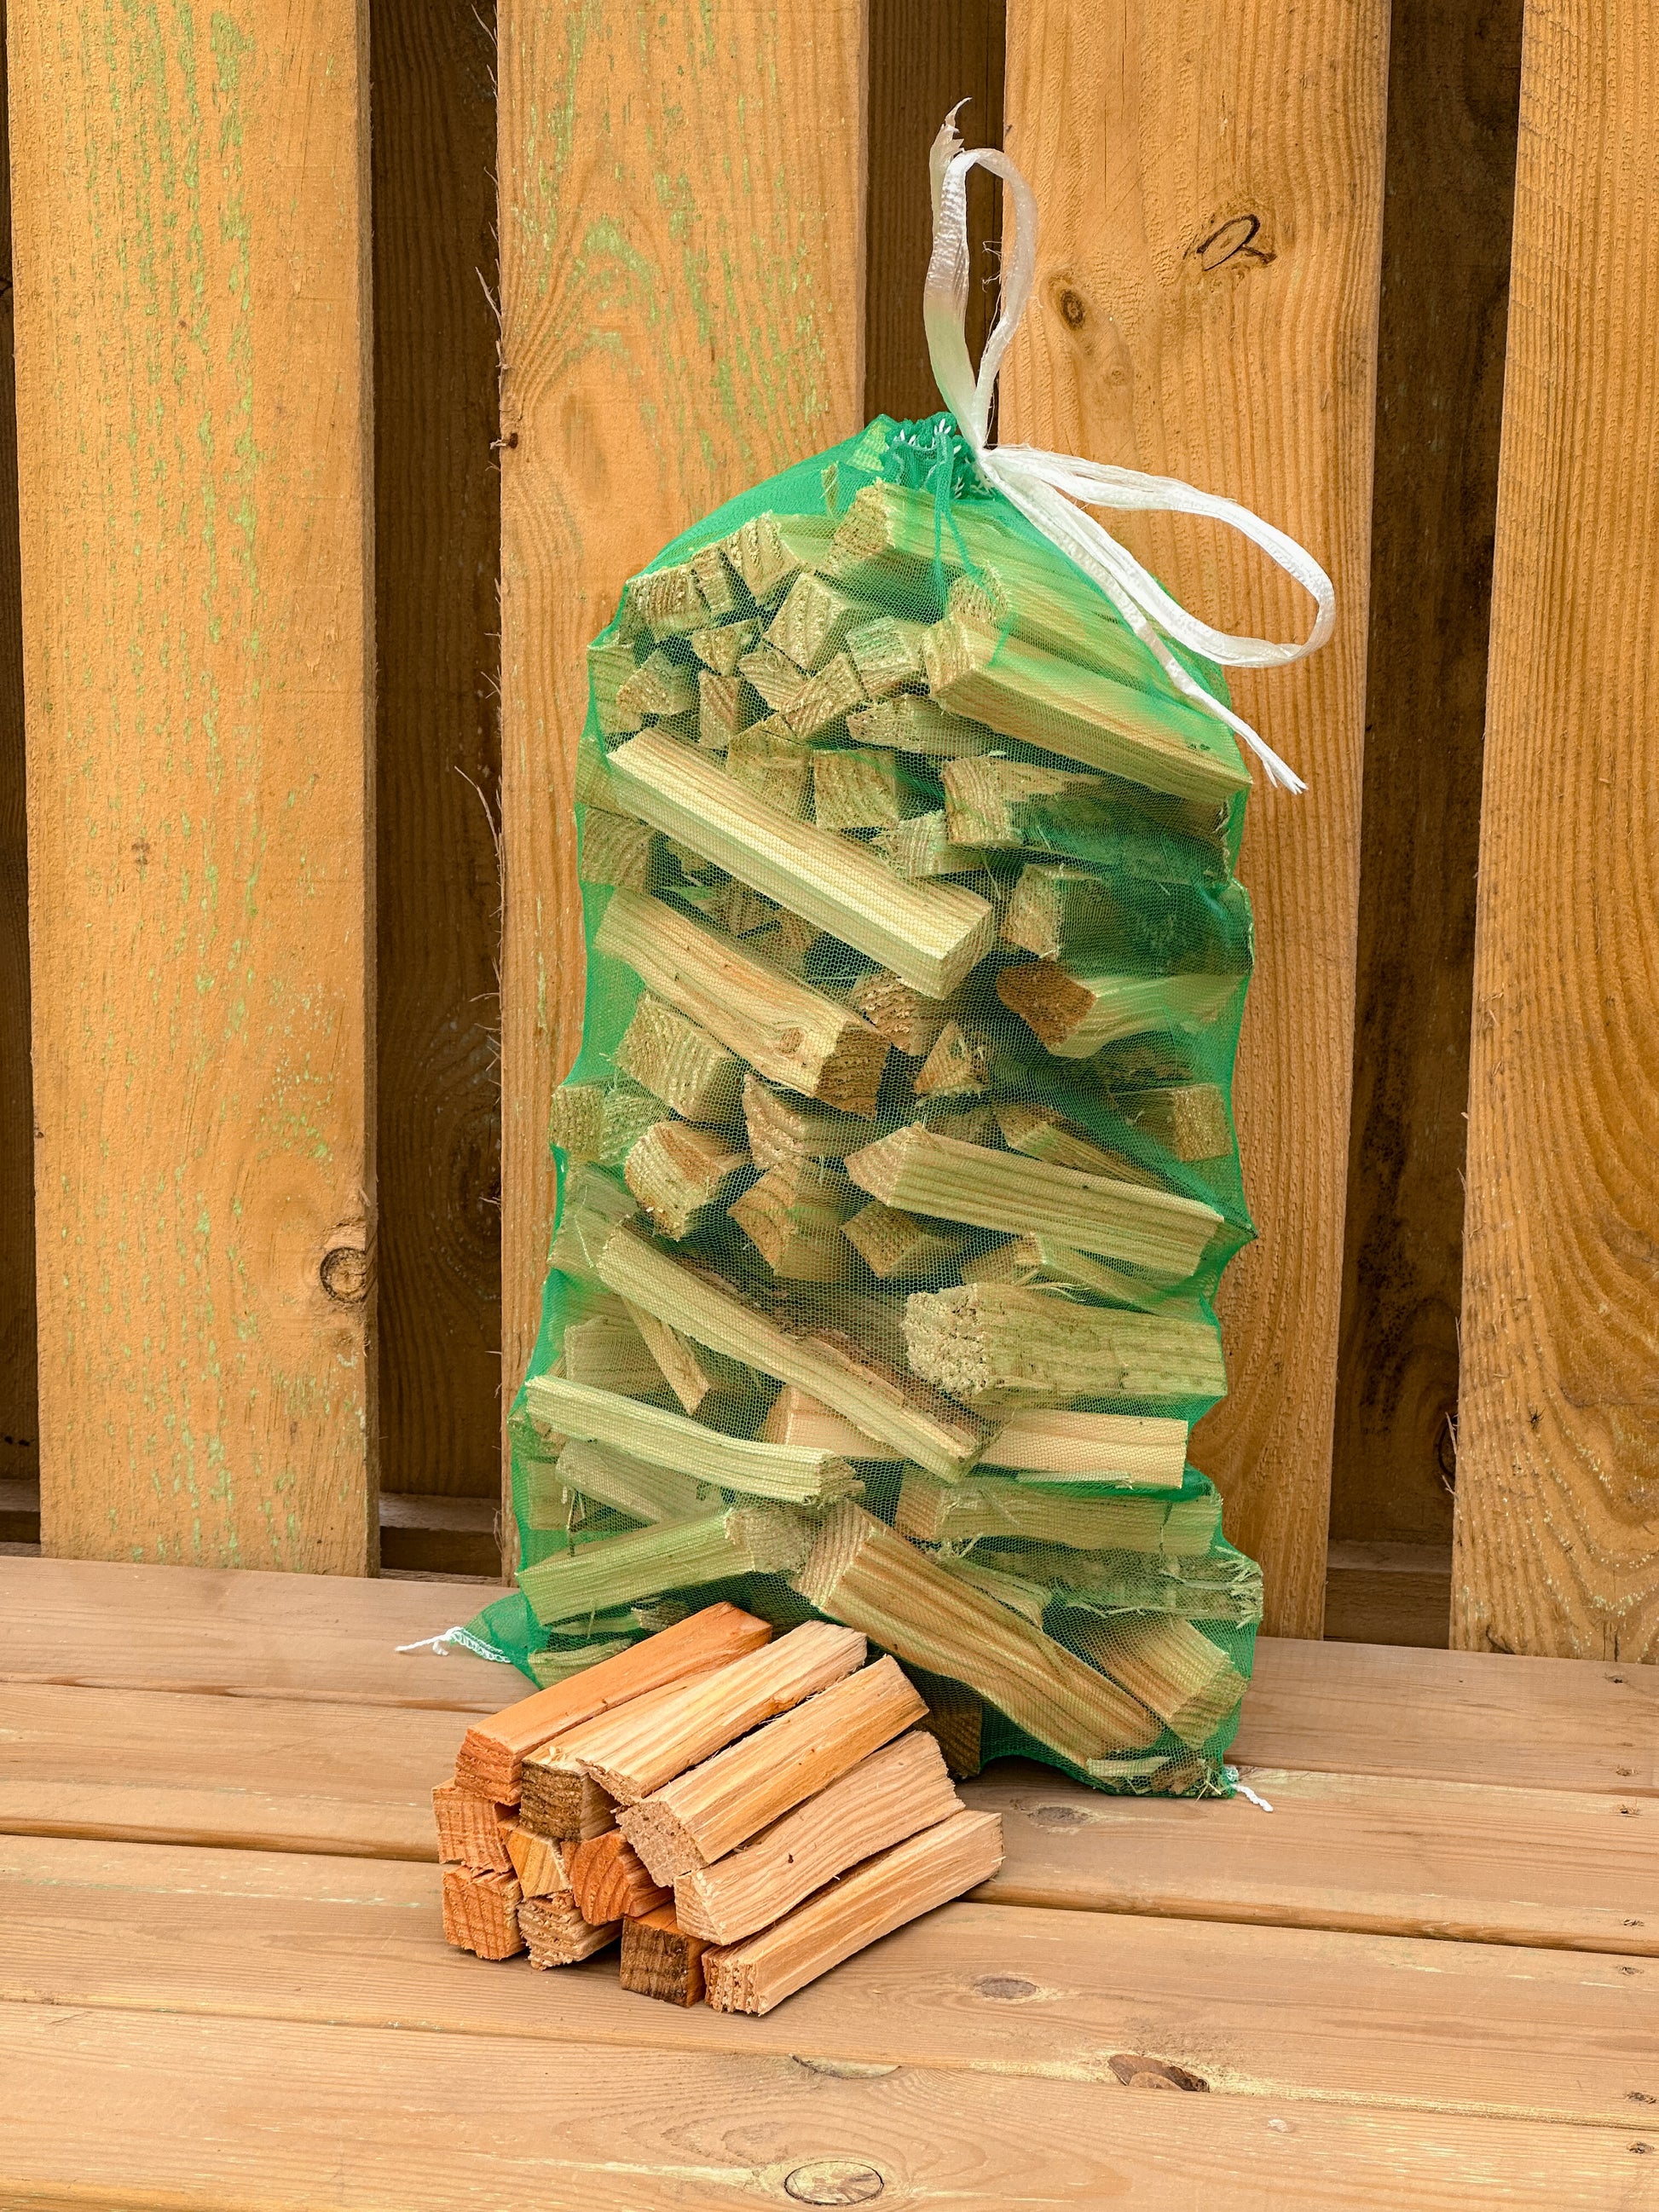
x,y
897,1171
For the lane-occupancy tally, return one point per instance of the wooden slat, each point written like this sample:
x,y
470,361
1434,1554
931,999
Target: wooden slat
x,y
1454,79
1380,1855
682,296
1389,1594
241,1635
20,1451
1557,1544
437,535
191,227
1257,2012
1206,307
1520,1724
372,2118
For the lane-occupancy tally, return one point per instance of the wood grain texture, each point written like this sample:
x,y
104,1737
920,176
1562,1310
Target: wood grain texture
x,y
1206,307
925,56
437,525
1453,82
1040,1994
1558,1520
1390,1593
19,1441
682,297
190,230
242,1634
186,2108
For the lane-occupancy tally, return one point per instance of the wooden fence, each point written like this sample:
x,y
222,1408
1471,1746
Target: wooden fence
x,y
332,326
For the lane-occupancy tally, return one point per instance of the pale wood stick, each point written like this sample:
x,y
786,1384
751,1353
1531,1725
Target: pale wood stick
x,y
726,705
1146,1448
648,1492
594,1123
558,1936
813,620
1043,1133
710,1809
684,1175
825,698
861,787
745,1539
894,1793
793,1217
721,1393
607,1352
909,1020
1190,1119
539,1862
901,1248
481,1912
993,1505
897,1886
680,1063
1169,1665
922,849
910,725
617,849
996,1347
560,1802
959,1065
609,667
473,1831
722,647
783,1126
659,685
1075,1015
1045,1260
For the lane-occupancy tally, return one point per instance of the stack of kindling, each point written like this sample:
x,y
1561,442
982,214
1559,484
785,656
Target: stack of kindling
x,y
740,1812
899,1167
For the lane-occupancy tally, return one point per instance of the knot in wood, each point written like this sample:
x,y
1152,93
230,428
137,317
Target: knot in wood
x,y
344,1274
834,2181
1136,2072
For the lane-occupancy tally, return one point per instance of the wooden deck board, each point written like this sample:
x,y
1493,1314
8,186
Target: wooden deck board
x,y
1253,2011
280,2115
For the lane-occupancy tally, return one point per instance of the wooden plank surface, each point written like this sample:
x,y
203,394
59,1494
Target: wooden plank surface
x,y
1206,307
19,1447
1454,82
437,535
190,230
1389,1594
682,296
1254,2012
1557,1542
185,2121
242,1634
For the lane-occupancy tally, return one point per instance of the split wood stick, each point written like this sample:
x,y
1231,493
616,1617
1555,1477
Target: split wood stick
x,y
1190,1119
720,1393
670,600
909,1020
556,1935
1041,1133
721,648
493,1751
741,912
746,1539
608,1880
910,725
959,1065
1149,1448
990,1573
793,1216
956,1720
894,1793
591,785
473,1831
783,1126
924,1173
726,705
634,1757
773,674
932,1512
1008,805
709,1810
607,1352
798,1417
557,1664
901,1248
1075,1015
685,1448
609,667
920,850
931,935
539,1862
861,787
769,550
769,760
660,1959
481,1912
684,1175
1045,1260
813,620
590,1211
561,1803
860,1571
659,685
645,1490
887,654
783,1029
881,1399
1035,696
1170,1666
996,1347
681,1063
826,698
1133,908
897,1886
601,1122
1221,1585
616,849
723,593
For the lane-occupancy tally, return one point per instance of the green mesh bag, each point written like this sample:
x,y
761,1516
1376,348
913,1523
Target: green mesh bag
x,y
897,1171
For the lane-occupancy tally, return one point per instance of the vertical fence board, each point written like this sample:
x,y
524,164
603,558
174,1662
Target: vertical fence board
x,y
437,513
1453,82
20,1454
682,299
191,191
1211,185
1558,1511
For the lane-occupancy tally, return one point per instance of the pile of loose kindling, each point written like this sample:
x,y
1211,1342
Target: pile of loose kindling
x,y
741,1812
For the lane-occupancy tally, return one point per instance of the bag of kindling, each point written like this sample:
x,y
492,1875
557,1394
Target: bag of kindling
x,y
898,1170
